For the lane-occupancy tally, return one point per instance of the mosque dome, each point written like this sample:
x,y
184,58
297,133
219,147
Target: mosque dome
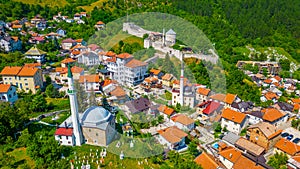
x,y
95,115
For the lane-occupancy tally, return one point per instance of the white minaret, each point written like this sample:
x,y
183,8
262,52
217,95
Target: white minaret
x,y
164,37
74,109
181,82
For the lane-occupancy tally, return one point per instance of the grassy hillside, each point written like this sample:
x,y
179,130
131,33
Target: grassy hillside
x,y
51,3
90,7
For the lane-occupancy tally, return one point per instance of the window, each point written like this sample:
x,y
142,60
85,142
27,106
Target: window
x,y
5,78
9,96
67,137
25,79
26,84
96,134
89,130
69,142
27,88
257,132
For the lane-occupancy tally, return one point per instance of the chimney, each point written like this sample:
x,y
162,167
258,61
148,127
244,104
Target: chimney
x,y
66,125
230,155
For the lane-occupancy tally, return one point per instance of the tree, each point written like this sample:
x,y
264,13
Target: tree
x,y
38,103
92,98
82,97
285,64
265,72
48,80
278,160
192,147
51,91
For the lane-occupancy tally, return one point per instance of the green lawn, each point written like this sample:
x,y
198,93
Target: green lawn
x,y
61,118
90,7
22,158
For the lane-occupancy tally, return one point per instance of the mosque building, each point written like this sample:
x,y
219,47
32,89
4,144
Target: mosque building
x,y
95,126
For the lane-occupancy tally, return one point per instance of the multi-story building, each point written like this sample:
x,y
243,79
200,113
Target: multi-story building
x,y
37,54
25,78
8,93
233,121
125,69
264,134
90,82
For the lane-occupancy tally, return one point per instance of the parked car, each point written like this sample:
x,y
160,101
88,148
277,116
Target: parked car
x,y
290,137
296,140
284,134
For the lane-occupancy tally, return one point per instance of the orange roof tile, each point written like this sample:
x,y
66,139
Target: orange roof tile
x,y
287,146
234,116
75,52
296,106
231,154
16,26
172,134
297,158
229,98
183,119
89,79
155,71
166,110
118,92
100,23
28,71
244,162
8,70
79,40
296,100
68,60
271,95
135,63
203,91
15,38
277,78
76,69
249,146
110,53
4,88
206,161
107,82
124,55
112,59
272,114
219,97
269,81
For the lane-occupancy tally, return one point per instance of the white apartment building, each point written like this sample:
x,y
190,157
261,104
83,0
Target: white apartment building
x,y
233,121
125,69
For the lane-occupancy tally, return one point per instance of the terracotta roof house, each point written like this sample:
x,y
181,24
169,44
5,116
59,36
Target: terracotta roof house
x,y
269,96
234,121
251,148
287,147
167,79
183,122
156,73
229,98
67,61
294,162
166,111
274,116
244,162
202,94
119,95
68,43
172,138
8,93
26,78
62,72
90,82
264,134
206,161
65,136
35,53
209,108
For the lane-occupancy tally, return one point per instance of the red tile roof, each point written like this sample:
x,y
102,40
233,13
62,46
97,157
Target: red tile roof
x,y
206,161
166,110
8,70
229,98
155,71
212,106
272,114
89,79
64,131
124,55
172,134
219,97
68,60
4,88
28,71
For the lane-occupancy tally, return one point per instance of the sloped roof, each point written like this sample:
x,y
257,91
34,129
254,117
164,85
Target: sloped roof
x,y
172,134
271,95
166,110
89,79
249,146
167,76
135,63
124,55
68,40
35,51
212,106
138,105
231,138
68,60
219,97
206,161
118,91
11,70
203,91
244,162
287,146
183,119
28,71
171,32
267,129
231,154
272,114
229,98
4,88
155,71
234,116
64,131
